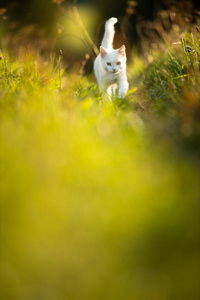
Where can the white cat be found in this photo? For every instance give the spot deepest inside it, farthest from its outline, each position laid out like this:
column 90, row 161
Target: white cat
column 110, row 64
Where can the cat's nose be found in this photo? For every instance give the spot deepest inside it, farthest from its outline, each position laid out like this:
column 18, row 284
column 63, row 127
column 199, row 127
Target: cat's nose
column 114, row 70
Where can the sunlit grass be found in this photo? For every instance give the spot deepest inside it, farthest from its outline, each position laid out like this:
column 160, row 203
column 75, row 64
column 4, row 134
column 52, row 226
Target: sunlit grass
column 99, row 199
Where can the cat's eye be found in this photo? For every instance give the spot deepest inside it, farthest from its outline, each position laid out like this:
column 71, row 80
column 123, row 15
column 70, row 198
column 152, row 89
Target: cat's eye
column 118, row 63
column 109, row 64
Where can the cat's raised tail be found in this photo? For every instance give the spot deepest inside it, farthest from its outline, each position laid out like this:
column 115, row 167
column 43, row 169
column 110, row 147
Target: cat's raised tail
column 107, row 41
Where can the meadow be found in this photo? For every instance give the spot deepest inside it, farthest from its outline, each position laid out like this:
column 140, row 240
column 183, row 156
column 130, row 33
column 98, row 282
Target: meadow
column 100, row 199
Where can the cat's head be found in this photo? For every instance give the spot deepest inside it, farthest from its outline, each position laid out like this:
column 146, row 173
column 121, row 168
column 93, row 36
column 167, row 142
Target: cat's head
column 114, row 61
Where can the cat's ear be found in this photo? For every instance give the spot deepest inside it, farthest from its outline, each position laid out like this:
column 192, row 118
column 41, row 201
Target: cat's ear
column 103, row 52
column 122, row 50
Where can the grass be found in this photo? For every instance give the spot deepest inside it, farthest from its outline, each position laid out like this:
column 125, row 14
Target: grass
column 100, row 200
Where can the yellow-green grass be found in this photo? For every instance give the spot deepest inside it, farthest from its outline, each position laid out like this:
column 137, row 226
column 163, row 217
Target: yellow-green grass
column 98, row 201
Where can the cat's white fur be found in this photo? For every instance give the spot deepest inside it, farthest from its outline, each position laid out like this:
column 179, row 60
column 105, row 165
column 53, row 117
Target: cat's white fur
column 110, row 64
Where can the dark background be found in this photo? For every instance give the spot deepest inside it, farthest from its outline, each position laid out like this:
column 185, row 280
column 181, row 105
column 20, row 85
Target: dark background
column 43, row 12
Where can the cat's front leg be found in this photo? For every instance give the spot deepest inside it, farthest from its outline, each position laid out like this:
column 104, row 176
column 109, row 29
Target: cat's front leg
column 123, row 89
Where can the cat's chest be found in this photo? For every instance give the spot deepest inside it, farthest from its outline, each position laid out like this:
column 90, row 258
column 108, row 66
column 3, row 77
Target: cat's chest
column 112, row 78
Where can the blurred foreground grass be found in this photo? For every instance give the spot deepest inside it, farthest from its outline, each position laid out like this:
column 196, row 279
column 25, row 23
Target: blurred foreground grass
column 99, row 200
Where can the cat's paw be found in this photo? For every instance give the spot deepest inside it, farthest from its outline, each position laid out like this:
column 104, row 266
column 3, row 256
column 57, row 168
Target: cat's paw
column 123, row 90
column 121, row 95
